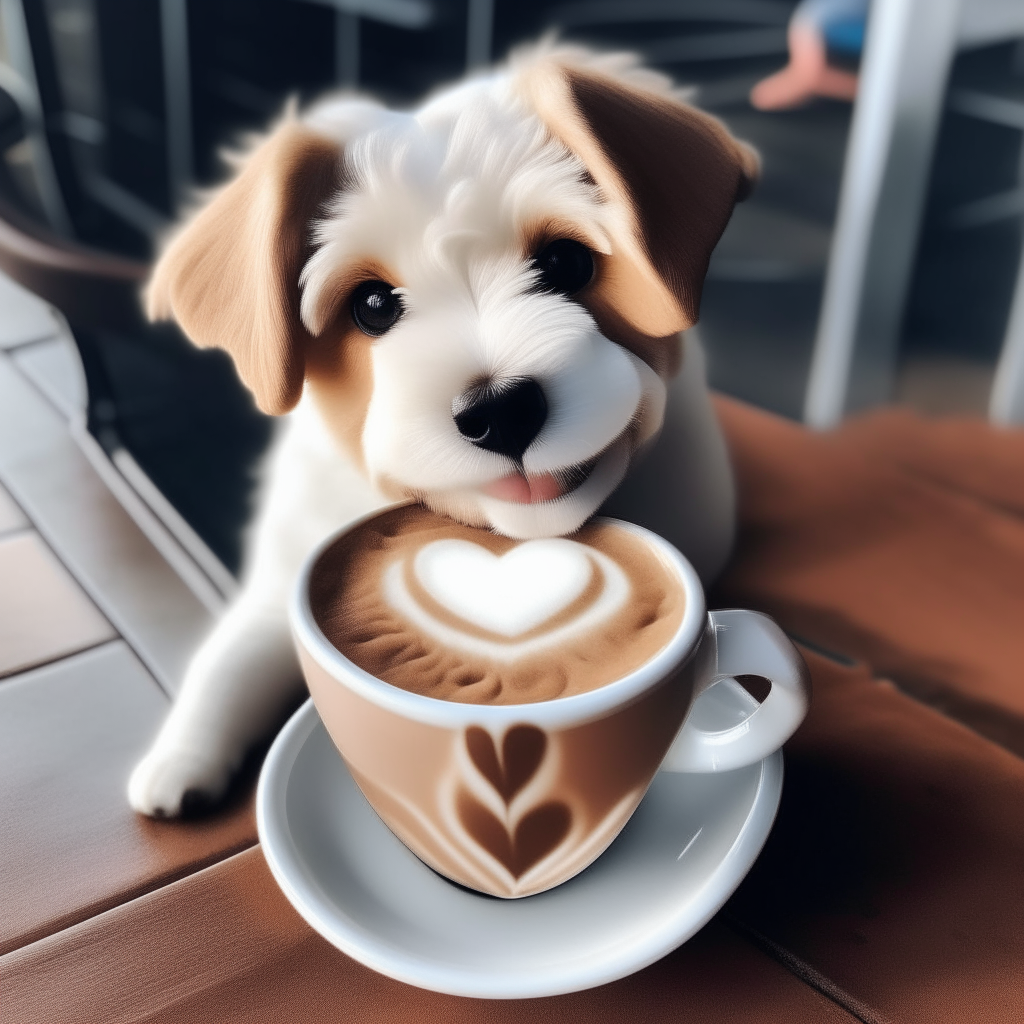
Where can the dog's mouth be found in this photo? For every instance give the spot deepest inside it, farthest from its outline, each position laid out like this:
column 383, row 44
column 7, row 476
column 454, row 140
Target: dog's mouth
column 525, row 489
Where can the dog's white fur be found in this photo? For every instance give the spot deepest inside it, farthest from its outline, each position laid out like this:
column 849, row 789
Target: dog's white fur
column 441, row 199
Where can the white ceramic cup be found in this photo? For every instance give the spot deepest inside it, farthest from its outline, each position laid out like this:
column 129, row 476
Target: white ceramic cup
column 514, row 799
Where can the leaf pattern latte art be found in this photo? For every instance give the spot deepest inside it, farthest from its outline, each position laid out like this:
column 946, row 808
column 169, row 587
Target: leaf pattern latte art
column 541, row 829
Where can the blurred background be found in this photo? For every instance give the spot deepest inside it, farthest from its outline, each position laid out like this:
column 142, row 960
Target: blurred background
column 877, row 260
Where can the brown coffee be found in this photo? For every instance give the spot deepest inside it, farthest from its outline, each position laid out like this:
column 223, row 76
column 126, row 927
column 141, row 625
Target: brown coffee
column 460, row 614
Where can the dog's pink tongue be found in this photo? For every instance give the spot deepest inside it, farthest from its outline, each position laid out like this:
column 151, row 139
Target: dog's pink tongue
column 525, row 490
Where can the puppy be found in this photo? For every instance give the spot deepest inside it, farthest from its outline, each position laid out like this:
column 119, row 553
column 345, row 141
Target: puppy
column 478, row 305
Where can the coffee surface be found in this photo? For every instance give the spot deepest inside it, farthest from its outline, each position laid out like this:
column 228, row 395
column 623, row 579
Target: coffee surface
column 461, row 614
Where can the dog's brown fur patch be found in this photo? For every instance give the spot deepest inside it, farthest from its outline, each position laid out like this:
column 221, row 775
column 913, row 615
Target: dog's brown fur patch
column 663, row 355
column 675, row 205
column 339, row 372
column 339, row 364
column 231, row 277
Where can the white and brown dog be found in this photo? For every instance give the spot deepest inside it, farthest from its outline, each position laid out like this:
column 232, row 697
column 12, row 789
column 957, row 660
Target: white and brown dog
column 480, row 305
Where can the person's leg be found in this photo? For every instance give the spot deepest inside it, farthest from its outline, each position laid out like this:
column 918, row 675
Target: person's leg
column 807, row 75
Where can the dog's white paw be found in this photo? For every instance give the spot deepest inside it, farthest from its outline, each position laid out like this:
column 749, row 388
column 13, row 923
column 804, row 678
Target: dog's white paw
column 169, row 781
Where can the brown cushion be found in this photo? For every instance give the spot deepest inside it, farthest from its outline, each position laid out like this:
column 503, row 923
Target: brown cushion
column 895, row 540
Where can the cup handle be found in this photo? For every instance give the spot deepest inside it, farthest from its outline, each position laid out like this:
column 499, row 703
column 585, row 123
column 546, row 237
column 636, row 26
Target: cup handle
column 738, row 643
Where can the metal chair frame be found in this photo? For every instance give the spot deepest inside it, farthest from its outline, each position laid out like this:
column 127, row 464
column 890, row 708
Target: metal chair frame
column 910, row 48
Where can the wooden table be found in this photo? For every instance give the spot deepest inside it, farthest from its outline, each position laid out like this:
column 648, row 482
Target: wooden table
column 892, row 887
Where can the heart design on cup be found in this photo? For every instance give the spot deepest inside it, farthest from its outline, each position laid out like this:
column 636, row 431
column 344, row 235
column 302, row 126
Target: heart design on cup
column 508, row 594
column 522, row 751
column 539, row 830
column 506, row 606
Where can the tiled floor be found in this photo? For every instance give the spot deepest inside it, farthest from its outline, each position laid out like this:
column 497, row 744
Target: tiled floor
column 11, row 517
column 95, row 627
column 44, row 615
column 24, row 320
column 45, row 471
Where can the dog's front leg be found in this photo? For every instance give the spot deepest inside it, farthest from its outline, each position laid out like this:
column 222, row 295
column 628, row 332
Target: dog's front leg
column 245, row 676
column 238, row 686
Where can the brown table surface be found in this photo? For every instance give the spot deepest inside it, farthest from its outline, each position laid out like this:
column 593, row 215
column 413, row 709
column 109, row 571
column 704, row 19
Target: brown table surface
column 891, row 888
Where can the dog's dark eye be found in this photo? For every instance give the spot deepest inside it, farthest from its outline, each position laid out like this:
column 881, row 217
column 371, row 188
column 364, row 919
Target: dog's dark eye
column 375, row 308
column 565, row 266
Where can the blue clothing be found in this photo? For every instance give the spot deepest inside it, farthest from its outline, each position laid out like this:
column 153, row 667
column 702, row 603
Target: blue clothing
column 841, row 22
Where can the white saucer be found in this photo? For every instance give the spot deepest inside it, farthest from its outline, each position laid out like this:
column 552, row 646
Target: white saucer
column 679, row 858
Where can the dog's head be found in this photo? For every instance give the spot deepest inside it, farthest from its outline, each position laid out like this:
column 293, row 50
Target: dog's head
column 483, row 298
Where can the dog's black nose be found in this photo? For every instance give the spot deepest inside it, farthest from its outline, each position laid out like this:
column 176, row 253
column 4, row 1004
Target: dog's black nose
column 504, row 417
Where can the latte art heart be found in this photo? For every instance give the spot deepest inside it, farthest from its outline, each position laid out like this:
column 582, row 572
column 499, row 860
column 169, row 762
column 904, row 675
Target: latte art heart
column 509, row 594
column 457, row 613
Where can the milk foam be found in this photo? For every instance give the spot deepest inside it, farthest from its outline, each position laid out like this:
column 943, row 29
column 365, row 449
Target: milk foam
column 509, row 594
column 459, row 613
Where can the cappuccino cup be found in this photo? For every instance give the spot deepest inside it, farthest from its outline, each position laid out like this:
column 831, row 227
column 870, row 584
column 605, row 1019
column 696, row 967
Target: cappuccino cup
column 504, row 705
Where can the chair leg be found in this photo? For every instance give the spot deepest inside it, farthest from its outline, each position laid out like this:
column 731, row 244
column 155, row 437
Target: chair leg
column 909, row 50
column 1006, row 403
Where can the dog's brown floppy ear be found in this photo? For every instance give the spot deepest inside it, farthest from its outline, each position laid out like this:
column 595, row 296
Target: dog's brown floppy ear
column 231, row 278
column 675, row 171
